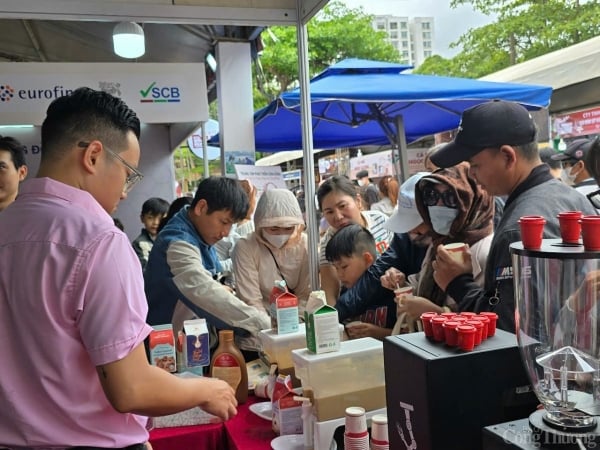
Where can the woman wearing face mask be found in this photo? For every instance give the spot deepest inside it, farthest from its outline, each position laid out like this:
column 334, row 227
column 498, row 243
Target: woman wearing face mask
column 276, row 250
column 455, row 209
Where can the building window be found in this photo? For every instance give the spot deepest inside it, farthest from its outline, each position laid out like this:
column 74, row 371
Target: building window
column 404, row 34
column 403, row 26
column 427, row 53
column 426, row 26
column 427, row 35
column 380, row 26
column 405, row 54
column 405, row 44
column 393, row 25
column 393, row 35
column 426, row 44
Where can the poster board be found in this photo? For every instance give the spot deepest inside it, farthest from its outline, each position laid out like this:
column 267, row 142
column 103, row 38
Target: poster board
column 263, row 177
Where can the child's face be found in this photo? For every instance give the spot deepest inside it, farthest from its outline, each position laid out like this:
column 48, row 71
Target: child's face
column 151, row 222
column 350, row 268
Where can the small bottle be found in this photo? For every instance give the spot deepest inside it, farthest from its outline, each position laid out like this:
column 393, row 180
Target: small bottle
column 228, row 364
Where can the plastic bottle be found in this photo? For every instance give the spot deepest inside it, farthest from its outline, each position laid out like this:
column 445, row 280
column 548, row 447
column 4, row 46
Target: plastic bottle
column 228, row 365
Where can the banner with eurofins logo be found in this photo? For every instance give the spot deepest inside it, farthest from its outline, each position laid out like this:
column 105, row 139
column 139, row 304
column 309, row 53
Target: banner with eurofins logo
column 158, row 93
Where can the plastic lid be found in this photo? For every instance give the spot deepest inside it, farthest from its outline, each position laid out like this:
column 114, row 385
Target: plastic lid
column 428, row 315
column 450, row 324
column 439, row 319
column 481, row 317
column 491, row 315
column 467, row 329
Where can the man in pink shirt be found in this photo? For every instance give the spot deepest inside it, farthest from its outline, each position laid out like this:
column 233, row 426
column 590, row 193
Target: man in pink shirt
column 72, row 304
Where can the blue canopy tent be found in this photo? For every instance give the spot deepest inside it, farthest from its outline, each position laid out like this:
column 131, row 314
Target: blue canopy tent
column 359, row 102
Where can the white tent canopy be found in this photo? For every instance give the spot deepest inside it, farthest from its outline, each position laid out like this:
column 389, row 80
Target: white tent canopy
column 281, row 157
column 573, row 73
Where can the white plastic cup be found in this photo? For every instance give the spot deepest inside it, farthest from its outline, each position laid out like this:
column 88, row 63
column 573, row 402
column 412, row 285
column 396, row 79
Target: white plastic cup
column 356, row 421
column 379, row 429
column 457, row 251
column 399, row 292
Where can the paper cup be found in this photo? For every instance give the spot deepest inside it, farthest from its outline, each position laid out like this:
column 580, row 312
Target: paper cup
column 426, row 321
column 570, row 226
column 405, row 290
column 457, row 251
column 379, row 429
column 438, row 329
column 466, row 337
column 356, row 421
column 450, row 333
column 532, row 231
column 590, row 229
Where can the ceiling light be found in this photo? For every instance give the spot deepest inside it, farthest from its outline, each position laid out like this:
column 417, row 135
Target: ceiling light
column 128, row 40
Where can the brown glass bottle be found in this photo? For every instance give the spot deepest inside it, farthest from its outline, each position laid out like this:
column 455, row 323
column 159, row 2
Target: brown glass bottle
column 228, row 365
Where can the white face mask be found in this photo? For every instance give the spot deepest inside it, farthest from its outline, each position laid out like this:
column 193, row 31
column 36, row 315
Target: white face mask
column 276, row 240
column 361, row 182
column 566, row 175
column 442, row 218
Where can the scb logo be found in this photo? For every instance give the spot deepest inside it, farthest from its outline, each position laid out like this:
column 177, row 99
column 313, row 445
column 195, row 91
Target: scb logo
column 158, row 94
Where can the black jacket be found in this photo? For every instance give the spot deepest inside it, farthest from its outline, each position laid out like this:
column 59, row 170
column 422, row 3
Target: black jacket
column 401, row 254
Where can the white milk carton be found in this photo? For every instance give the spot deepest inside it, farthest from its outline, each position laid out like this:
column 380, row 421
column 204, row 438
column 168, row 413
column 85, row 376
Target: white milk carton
column 322, row 333
column 196, row 349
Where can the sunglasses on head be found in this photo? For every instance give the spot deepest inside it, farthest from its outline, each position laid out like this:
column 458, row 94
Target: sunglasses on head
column 431, row 197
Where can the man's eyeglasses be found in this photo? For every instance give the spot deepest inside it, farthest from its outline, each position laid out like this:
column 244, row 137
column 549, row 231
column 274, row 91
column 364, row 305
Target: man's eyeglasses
column 431, row 197
column 133, row 175
column 594, row 198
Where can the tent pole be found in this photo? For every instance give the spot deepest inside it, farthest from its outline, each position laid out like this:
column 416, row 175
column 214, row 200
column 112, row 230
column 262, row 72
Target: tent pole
column 307, row 144
column 401, row 163
column 204, row 149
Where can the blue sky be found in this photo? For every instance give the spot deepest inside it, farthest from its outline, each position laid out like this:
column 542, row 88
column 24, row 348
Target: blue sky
column 449, row 23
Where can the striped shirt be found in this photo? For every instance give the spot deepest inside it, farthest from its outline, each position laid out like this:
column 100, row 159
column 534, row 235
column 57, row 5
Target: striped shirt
column 375, row 221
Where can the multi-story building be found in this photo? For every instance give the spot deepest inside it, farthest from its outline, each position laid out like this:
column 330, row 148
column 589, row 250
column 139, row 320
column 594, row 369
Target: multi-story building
column 412, row 37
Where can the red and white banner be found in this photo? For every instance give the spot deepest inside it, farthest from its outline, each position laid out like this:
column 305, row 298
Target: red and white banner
column 576, row 123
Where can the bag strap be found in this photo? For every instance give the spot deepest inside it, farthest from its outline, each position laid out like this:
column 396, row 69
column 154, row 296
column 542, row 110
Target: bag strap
column 278, row 268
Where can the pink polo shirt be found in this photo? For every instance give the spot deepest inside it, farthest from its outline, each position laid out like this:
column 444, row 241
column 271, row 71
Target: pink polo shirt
column 71, row 298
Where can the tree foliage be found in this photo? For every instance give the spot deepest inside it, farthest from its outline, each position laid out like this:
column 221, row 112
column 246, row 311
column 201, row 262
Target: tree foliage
column 524, row 29
column 337, row 32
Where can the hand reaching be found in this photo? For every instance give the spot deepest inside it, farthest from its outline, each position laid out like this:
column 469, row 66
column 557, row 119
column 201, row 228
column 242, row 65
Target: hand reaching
column 446, row 268
column 393, row 278
column 220, row 399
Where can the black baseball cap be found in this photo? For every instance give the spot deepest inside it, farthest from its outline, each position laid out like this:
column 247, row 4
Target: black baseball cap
column 362, row 173
column 490, row 124
column 576, row 150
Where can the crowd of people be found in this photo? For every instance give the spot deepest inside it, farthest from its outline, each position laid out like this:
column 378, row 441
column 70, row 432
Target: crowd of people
column 92, row 295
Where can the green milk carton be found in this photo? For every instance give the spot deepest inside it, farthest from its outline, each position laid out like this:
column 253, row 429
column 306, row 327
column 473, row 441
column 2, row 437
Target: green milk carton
column 322, row 325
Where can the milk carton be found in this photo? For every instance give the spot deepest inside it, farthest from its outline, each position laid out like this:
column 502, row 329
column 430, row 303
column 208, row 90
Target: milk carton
column 287, row 412
column 322, row 333
column 162, row 347
column 196, row 349
column 283, row 309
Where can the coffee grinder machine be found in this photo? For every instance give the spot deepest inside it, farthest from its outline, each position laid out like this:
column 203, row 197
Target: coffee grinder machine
column 558, row 332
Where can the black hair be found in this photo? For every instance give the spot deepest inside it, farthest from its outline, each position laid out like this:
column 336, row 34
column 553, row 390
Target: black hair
column 174, row 208
column 348, row 241
column 155, row 206
column 223, row 194
column 15, row 148
column 336, row 183
column 118, row 223
column 85, row 115
column 546, row 157
column 592, row 160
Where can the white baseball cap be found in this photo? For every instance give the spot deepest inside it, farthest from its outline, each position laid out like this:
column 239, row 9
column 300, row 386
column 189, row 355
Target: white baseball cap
column 406, row 217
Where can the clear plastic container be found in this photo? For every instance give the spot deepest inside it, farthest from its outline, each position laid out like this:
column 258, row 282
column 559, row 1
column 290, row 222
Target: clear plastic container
column 357, row 366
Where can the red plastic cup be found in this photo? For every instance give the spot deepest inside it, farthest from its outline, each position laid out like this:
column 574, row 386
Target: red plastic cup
column 426, row 321
column 468, row 314
column 486, row 322
column 466, row 337
column 479, row 327
column 590, row 230
column 492, row 325
column 460, row 318
column 438, row 330
column 570, row 226
column 532, row 231
column 450, row 332
column 448, row 315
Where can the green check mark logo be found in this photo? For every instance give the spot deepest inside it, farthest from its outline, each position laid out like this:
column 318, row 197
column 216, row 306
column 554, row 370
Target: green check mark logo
column 145, row 93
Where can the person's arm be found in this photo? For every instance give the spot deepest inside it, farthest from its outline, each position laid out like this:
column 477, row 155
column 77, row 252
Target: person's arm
column 329, row 283
column 197, row 285
column 131, row 385
column 245, row 270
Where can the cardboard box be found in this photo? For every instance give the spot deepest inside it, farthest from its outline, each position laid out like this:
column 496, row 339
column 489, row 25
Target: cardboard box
column 283, row 311
column 196, row 349
column 440, row 398
column 287, row 412
column 162, row 347
column 322, row 334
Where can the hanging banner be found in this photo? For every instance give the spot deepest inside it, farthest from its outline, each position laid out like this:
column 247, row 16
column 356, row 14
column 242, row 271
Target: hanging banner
column 377, row 164
column 263, row 177
column 158, row 93
column 576, row 123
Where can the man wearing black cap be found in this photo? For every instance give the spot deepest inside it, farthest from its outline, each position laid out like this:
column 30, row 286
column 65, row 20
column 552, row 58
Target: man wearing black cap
column 368, row 191
column 573, row 169
column 498, row 139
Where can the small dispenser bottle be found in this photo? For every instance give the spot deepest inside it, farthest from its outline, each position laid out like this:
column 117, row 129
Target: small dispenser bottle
column 228, row 365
